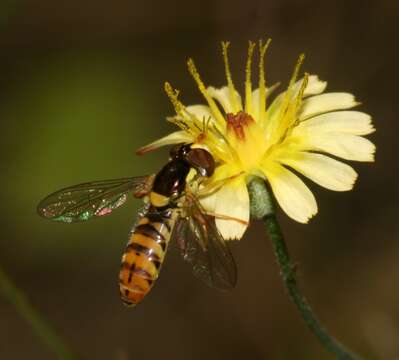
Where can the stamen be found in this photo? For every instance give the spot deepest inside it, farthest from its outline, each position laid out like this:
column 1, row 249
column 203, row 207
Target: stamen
column 173, row 96
column 288, row 93
column 221, row 143
column 288, row 107
column 262, row 81
column 232, row 90
column 248, row 85
column 301, row 91
column 298, row 101
column 296, row 71
column 178, row 122
column 188, row 121
column 212, row 104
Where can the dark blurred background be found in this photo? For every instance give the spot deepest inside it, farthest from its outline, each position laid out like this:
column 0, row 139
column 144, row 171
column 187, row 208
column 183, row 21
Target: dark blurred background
column 81, row 87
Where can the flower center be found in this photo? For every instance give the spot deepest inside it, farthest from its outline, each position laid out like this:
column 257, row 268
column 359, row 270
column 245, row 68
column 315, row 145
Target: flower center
column 238, row 122
column 246, row 137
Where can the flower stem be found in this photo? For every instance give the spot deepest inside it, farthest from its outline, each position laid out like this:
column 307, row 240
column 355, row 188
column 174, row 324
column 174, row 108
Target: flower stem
column 262, row 207
column 290, row 282
column 39, row 325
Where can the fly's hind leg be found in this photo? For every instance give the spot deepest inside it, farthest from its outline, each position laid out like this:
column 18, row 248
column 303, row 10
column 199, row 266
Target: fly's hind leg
column 227, row 217
column 211, row 189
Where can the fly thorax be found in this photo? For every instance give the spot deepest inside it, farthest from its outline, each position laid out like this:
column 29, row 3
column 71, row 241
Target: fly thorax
column 171, row 180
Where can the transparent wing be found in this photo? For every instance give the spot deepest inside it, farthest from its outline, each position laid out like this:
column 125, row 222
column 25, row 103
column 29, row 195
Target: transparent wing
column 203, row 247
column 89, row 200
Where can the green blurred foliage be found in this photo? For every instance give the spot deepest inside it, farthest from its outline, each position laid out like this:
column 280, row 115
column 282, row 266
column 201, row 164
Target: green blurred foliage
column 77, row 117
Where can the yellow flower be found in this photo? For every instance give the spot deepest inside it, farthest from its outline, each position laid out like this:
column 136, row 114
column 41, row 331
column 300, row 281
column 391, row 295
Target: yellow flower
column 294, row 132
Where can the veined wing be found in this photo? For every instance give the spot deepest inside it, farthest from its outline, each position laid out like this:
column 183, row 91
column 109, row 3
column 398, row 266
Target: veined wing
column 203, row 247
column 89, row 200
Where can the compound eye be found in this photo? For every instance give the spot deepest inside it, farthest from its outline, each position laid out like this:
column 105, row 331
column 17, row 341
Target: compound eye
column 179, row 151
column 175, row 150
column 202, row 161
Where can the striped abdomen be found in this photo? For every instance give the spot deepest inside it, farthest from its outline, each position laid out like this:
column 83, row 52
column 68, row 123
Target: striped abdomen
column 144, row 254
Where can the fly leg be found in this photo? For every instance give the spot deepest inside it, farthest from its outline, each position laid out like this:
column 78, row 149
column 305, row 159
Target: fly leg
column 208, row 190
column 227, row 217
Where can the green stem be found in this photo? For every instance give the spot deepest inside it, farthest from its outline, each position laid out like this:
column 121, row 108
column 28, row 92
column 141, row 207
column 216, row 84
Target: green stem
column 262, row 207
column 39, row 325
column 288, row 275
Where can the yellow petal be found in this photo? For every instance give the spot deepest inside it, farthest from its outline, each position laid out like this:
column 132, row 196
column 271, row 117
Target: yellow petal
column 255, row 104
column 232, row 200
column 221, row 173
column 176, row 137
column 320, row 104
column 346, row 146
column 315, row 86
column 351, row 122
column 293, row 196
column 201, row 112
column 222, row 95
column 274, row 112
column 321, row 169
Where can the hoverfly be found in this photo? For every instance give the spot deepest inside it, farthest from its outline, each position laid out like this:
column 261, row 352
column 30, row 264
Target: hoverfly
column 172, row 211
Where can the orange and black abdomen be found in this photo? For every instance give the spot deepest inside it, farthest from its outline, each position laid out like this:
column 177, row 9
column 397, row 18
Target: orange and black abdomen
column 144, row 254
column 148, row 241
